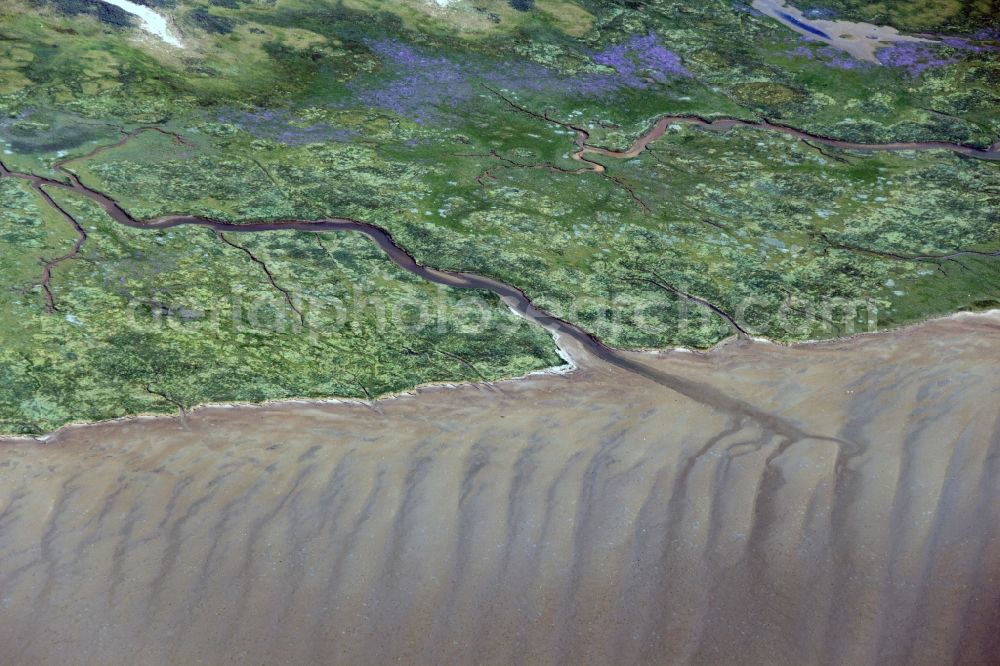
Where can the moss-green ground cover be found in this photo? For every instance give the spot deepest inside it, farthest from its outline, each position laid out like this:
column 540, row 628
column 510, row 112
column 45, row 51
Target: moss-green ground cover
column 153, row 320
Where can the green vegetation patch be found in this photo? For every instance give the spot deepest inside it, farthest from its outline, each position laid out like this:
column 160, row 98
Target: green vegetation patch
column 149, row 321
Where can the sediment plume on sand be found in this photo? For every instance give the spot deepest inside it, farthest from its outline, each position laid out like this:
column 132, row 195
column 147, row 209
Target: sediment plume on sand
column 835, row 503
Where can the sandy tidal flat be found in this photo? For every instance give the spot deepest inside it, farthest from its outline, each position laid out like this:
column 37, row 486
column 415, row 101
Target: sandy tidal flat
column 848, row 512
column 861, row 40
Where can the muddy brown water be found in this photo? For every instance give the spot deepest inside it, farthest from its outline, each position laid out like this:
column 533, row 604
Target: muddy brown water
column 848, row 512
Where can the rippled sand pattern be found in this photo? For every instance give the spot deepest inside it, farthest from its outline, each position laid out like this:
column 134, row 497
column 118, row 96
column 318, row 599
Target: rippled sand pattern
column 596, row 518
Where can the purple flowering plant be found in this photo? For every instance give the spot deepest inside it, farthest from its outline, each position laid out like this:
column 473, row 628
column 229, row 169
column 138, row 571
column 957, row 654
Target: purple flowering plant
column 424, row 87
column 640, row 59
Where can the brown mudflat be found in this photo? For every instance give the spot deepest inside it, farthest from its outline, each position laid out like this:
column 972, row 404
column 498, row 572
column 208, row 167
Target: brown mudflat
column 836, row 503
